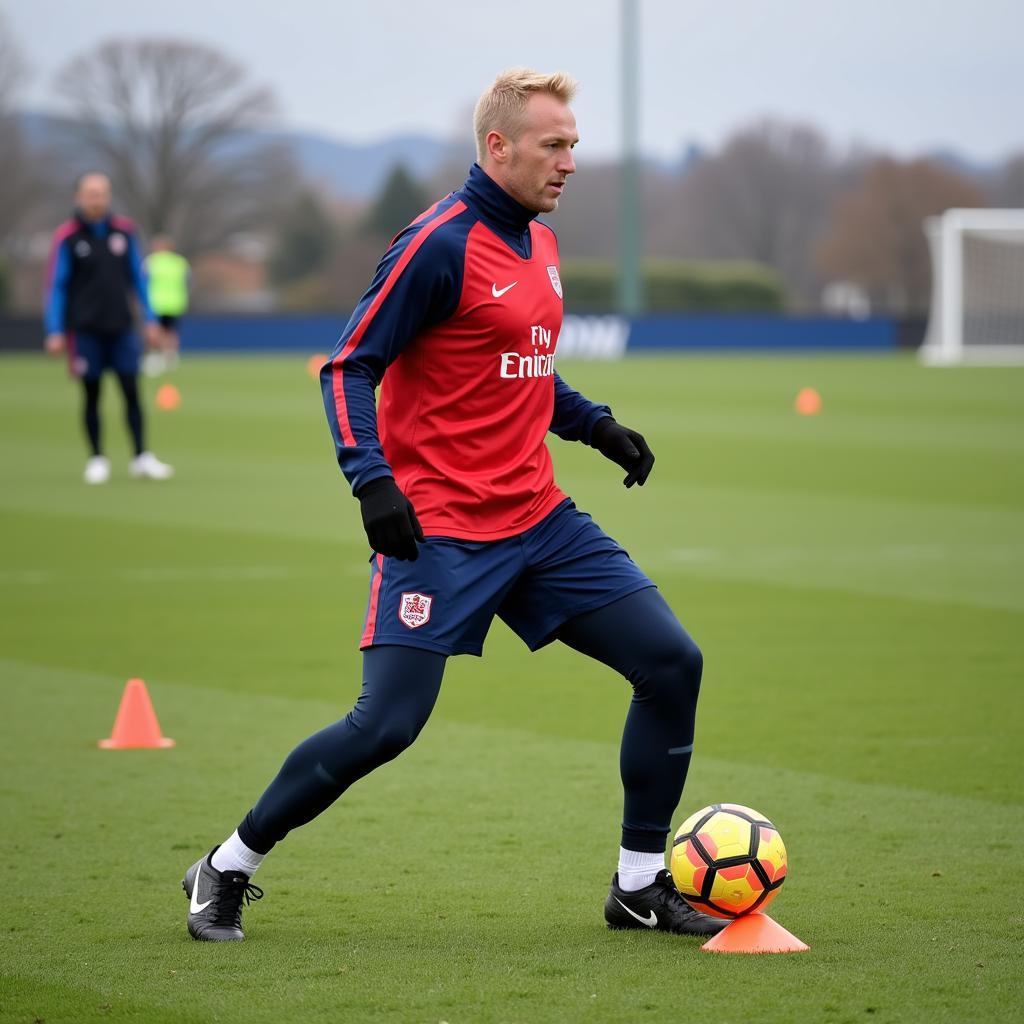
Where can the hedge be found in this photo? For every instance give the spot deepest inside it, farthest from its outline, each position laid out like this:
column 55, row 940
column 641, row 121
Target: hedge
column 673, row 286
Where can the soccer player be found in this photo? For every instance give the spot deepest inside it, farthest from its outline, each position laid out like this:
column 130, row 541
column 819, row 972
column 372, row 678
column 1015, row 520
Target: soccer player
column 94, row 271
column 458, row 500
column 167, row 277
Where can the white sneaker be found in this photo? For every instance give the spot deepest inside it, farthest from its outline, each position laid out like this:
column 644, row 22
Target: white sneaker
column 147, row 466
column 97, row 470
column 154, row 364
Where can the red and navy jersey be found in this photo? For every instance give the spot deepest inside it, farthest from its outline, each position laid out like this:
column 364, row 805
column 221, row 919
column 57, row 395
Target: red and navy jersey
column 459, row 327
column 94, row 268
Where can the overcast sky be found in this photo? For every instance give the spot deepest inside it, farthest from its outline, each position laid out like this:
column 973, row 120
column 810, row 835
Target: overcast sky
column 907, row 75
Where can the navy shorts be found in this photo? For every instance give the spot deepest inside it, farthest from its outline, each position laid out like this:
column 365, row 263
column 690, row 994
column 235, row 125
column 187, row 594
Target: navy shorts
column 445, row 601
column 91, row 354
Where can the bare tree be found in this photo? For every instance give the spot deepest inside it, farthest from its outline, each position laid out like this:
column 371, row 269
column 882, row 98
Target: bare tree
column 587, row 218
column 174, row 123
column 1008, row 189
column 765, row 197
column 876, row 238
column 16, row 179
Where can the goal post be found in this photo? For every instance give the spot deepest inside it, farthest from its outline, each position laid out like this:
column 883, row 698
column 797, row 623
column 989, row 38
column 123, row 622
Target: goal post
column 977, row 305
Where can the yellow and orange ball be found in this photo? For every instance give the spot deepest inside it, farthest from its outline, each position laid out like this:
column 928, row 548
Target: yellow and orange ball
column 728, row 860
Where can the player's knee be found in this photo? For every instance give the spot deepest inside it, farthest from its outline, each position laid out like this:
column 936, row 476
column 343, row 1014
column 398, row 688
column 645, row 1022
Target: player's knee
column 676, row 672
column 393, row 736
column 691, row 662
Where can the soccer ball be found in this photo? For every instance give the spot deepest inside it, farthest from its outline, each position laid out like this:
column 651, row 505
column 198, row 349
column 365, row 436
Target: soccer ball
column 728, row 860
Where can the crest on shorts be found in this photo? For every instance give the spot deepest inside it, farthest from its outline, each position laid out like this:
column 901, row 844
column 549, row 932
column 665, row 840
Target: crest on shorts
column 414, row 609
column 556, row 281
column 117, row 243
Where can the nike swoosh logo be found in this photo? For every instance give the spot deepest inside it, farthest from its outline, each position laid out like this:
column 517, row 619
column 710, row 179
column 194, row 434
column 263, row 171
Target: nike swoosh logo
column 651, row 921
column 498, row 292
column 195, row 907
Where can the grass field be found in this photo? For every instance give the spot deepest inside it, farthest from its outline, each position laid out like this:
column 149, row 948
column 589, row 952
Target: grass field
column 855, row 579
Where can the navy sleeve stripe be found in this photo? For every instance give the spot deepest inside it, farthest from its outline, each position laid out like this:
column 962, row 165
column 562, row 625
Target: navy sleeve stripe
column 56, row 278
column 337, row 371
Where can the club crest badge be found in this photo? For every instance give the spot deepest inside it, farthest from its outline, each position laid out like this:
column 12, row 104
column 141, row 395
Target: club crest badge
column 556, row 281
column 414, row 610
column 117, row 243
column 82, row 248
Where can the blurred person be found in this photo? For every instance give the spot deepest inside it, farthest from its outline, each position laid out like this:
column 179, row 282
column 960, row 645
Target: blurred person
column 459, row 504
column 167, row 281
column 94, row 271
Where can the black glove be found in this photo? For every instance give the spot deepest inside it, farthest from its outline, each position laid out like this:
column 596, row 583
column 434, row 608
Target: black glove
column 625, row 447
column 390, row 520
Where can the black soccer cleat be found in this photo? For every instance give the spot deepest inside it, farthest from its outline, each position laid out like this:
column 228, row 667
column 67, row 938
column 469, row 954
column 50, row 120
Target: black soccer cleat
column 215, row 901
column 659, row 907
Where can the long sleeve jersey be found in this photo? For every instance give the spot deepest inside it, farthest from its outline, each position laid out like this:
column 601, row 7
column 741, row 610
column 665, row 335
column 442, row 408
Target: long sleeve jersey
column 459, row 328
column 94, row 268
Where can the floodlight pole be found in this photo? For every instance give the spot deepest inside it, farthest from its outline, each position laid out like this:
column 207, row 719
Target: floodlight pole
column 630, row 283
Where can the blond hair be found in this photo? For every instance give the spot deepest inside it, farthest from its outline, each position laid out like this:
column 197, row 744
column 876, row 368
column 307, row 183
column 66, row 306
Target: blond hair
column 500, row 108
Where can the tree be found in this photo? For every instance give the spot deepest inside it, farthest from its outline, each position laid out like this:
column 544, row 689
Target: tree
column 305, row 240
column 587, row 218
column 1009, row 186
column 173, row 123
column 764, row 197
column 16, row 178
column 400, row 202
column 877, row 239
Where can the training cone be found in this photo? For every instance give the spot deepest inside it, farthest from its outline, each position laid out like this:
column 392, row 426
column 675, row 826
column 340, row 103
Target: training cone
column 808, row 402
column 314, row 363
column 168, row 398
column 754, row 933
column 136, row 727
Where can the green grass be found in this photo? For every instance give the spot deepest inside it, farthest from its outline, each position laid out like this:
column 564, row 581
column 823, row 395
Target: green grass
column 855, row 582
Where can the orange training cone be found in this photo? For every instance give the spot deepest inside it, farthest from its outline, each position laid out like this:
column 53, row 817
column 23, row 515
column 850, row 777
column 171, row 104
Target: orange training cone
column 808, row 402
column 754, row 933
column 168, row 398
column 136, row 726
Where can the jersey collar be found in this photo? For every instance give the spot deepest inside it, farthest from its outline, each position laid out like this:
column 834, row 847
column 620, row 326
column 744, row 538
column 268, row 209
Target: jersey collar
column 99, row 227
column 496, row 206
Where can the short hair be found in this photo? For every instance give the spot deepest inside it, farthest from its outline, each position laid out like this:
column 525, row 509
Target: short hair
column 90, row 174
column 500, row 108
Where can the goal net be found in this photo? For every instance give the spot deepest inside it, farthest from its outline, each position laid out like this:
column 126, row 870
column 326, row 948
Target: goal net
column 977, row 308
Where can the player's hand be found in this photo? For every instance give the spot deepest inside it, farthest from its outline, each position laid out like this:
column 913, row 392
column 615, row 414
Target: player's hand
column 624, row 447
column 154, row 335
column 390, row 520
column 55, row 343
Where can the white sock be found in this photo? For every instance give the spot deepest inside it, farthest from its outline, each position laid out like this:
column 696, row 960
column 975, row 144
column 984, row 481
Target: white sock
column 234, row 855
column 637, row 869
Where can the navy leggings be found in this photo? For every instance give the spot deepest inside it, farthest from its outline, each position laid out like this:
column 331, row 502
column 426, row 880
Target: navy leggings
column 132, row 411
column 637, row 636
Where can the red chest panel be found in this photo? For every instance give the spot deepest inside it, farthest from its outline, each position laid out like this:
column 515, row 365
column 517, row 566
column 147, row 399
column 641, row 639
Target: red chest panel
column 465, row 409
